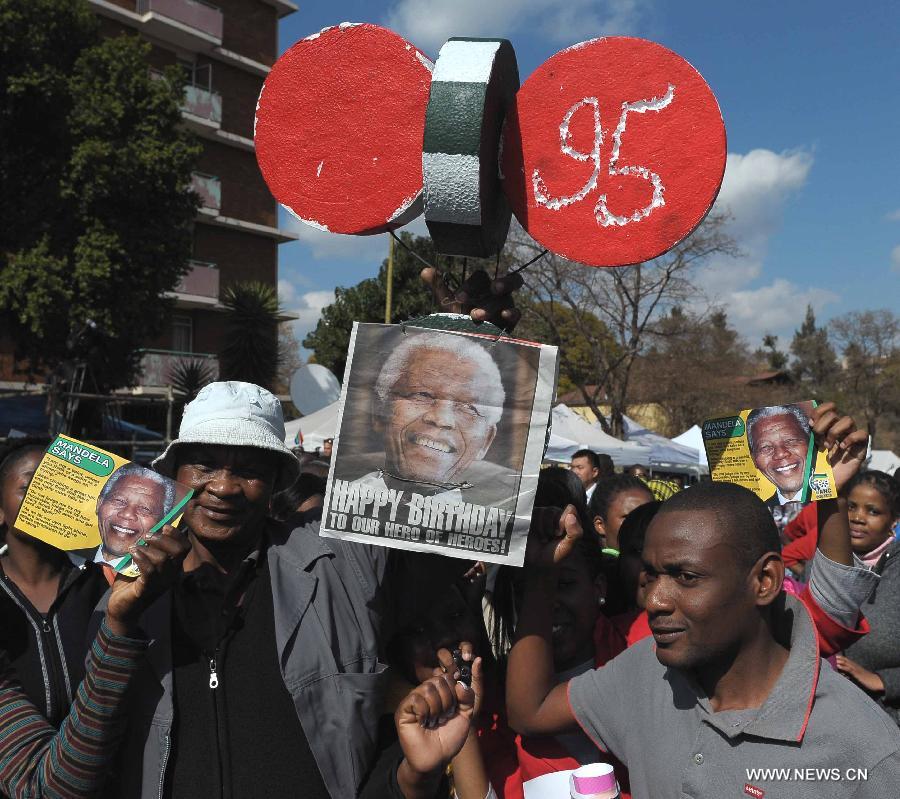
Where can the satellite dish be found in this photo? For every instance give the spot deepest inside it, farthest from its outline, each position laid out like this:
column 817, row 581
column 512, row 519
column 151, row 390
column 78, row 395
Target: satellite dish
column 313, row 387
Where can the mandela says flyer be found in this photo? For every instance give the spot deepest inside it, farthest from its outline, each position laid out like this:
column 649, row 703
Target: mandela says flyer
column 81, row 497
column 772, row 452
column 440, row 441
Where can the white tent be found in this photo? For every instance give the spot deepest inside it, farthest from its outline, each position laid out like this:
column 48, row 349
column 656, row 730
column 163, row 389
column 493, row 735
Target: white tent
column 884, row 461
column 693, row 438
column 315, row 428
column 663, row 451
column 569, row 425
column 559, row 449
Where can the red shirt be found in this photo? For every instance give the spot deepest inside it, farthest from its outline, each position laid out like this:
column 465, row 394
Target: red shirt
column 805, row 522
column 802, row 535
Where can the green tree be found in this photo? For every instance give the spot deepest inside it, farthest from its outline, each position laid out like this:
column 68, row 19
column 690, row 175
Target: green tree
column 250, row 351
column 815, row 363
column 693, row 369
column 96, row 212
column 576, row 339
column 365, row 302
column 773, row 357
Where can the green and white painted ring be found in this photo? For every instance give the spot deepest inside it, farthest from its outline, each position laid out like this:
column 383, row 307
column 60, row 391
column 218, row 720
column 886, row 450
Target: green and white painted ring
column 473, row 85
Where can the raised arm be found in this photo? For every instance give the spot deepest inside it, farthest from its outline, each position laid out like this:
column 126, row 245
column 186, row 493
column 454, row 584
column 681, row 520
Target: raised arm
column 535, row 704
column 435, row 726
column 838, row 583
column 846, row 448
column 37, row 761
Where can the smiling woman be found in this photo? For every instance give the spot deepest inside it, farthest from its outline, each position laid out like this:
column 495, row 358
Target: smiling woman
column 873, row 662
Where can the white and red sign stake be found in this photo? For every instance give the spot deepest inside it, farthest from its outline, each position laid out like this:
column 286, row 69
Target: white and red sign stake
column 614, row 152
column 339, row 128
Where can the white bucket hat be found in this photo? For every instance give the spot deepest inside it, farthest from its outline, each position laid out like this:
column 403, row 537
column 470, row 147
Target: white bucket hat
column 234, row 414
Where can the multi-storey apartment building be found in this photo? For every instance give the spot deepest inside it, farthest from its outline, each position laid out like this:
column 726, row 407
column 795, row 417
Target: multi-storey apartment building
column 225, row 52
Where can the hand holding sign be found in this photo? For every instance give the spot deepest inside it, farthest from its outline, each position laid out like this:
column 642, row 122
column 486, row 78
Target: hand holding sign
column 485, row 300
column 159, row 560
column 845, row 445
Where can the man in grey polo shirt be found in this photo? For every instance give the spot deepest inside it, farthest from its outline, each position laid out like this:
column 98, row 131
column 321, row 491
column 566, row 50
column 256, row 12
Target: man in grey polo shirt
column 729, row 698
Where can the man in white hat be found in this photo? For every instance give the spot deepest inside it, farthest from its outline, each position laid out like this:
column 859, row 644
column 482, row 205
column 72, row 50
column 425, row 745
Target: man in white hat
column 262, row 673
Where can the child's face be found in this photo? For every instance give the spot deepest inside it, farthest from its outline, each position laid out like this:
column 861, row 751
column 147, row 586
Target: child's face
column 621, row 505
column 870, row 518
column 575, row 613
column 444, row 621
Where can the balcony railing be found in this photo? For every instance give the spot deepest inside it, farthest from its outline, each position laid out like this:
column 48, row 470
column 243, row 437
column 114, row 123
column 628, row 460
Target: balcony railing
column 157, row 365
column 201, row 281
column 195, row 14
column 202, row 103
column 209, row 187
column 198, row 101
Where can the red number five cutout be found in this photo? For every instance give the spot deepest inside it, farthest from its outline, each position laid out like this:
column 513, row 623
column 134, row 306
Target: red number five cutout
column 658, row 185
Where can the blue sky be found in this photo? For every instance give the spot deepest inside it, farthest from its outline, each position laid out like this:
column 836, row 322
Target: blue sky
column 808, row 91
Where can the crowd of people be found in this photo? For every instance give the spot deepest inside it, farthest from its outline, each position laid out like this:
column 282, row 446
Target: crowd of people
column 675, row 633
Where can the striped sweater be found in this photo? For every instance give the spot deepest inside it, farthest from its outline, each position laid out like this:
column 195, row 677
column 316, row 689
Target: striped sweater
column 36, row 760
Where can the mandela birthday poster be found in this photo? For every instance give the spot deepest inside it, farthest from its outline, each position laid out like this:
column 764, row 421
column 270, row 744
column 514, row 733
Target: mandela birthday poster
column 440, row 441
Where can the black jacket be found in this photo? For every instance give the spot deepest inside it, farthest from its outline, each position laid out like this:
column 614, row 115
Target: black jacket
column 48, row 652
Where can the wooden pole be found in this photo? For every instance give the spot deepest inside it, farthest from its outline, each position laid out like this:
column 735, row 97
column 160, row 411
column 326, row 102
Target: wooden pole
column 389, row 295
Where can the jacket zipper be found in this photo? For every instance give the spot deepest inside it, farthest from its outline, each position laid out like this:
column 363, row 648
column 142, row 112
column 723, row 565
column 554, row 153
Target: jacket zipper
column 212, row 659
column 213, row 676
column 50, row 666
column 62, row 659
column 162, row 770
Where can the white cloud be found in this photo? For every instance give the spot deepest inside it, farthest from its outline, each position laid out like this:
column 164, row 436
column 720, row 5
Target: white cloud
column 895, row 259
column 429, row 23
column 757, row 187
column 777, row 308
column 757, row 184
column 894, row 216
column 306, row 306
column 335, row 246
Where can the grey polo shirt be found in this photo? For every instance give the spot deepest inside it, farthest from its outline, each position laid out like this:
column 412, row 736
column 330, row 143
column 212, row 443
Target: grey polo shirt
column 660, row 724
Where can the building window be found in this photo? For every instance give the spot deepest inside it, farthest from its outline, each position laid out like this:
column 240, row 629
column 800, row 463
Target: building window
column 182, row 333
column 199, row 75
